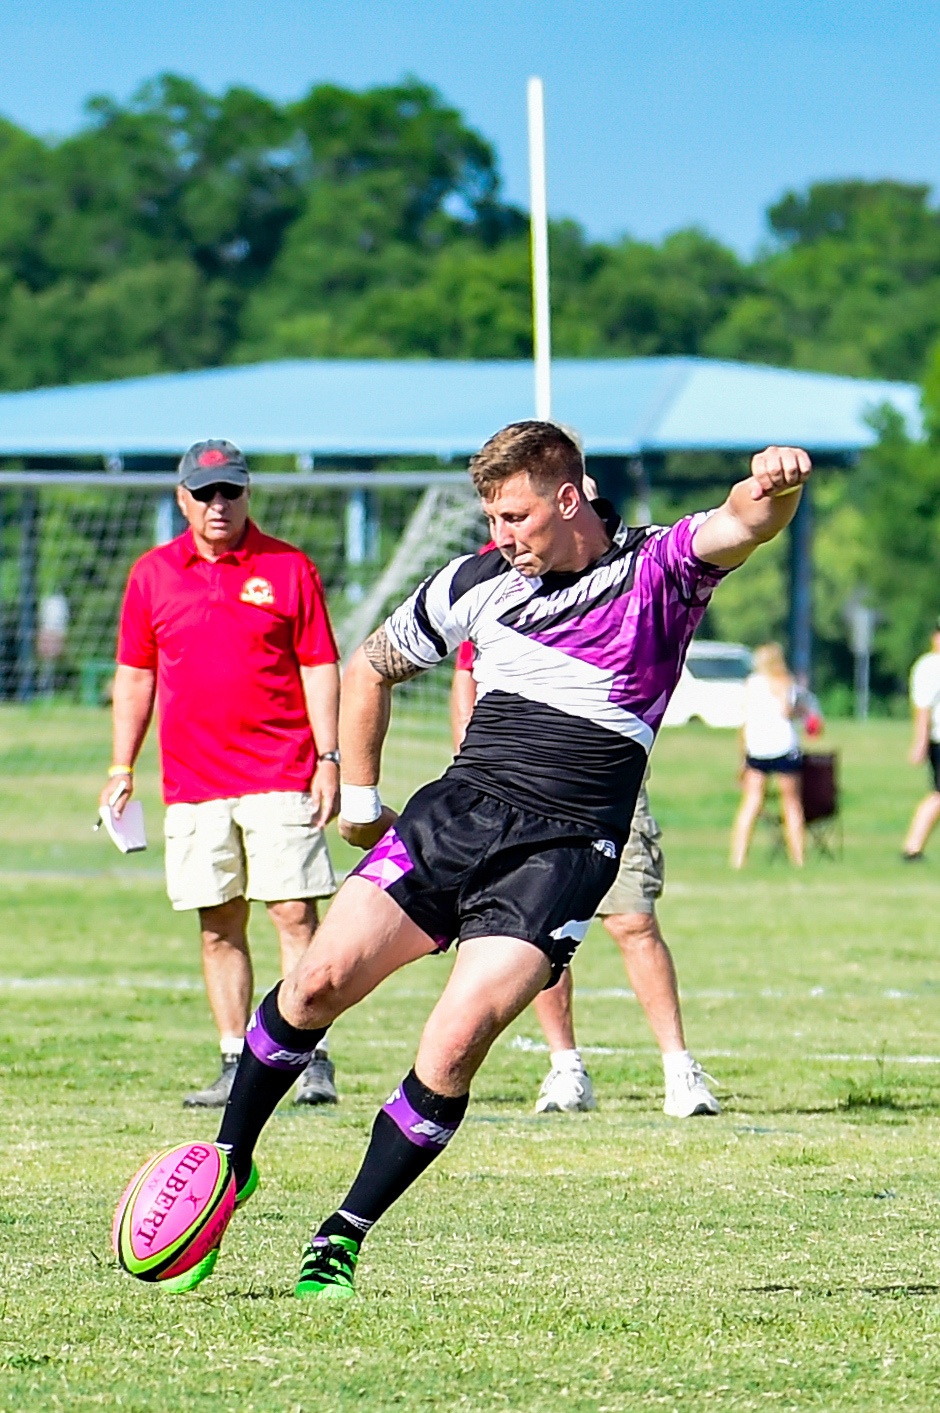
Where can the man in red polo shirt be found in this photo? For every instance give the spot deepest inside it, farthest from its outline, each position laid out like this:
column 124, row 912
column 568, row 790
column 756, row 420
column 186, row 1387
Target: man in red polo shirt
column 227, row 630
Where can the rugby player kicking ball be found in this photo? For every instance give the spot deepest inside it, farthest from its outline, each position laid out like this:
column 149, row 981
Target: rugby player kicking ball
column 580, row 627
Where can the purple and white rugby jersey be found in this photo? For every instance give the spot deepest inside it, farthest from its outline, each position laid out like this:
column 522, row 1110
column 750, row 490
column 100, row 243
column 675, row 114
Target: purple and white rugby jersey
column 573, row 671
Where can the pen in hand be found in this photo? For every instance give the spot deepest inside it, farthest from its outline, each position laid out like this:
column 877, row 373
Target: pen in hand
column 119, row 791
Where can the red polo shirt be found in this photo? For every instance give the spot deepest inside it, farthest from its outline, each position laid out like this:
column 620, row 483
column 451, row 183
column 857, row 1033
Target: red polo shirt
column 227, row 641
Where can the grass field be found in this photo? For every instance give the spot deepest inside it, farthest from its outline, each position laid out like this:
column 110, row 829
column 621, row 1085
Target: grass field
column 783, row 1256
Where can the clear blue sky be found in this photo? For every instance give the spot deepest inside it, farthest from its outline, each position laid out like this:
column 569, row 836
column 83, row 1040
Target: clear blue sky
column 661, row 113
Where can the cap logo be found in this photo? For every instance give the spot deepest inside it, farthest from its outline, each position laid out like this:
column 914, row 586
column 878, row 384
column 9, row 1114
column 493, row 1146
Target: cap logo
column 257, row 591
column 213, row 457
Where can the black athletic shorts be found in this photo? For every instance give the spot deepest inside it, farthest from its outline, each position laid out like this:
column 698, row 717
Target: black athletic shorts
column 464, row 864
column 776, row 765
column 933, row 759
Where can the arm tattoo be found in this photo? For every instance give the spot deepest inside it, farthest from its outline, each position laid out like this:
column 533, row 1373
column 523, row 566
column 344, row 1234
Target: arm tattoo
column 388, row 661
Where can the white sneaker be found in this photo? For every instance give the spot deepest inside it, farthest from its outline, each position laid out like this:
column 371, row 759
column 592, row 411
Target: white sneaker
column 687, row 1094
column 566, row 1092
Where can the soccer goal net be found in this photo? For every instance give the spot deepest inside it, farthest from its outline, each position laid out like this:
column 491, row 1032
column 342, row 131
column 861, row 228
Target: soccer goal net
column 68, row 540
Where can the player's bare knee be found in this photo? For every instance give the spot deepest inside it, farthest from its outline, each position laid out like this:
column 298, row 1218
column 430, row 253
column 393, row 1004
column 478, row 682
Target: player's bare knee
column 293, row 913
column 454, row 1046
column 449, row 1071
column 224, row 925
column 634, row 932
column 330, row 977
column 314, row 985
column 216, row 949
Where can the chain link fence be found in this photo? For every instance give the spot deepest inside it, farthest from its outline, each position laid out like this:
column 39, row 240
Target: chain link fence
column 68, row 540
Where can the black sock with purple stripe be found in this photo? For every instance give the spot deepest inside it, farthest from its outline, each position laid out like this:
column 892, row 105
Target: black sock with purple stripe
column 275, row 1054
column 413, row 1127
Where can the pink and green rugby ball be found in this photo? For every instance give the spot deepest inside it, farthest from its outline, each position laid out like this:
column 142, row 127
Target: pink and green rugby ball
column 174, row 1211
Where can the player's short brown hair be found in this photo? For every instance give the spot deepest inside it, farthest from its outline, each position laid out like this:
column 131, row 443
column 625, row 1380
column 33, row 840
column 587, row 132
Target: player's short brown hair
column 545, row 451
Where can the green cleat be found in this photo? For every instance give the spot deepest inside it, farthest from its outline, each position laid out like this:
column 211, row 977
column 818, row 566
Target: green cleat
column 179, row 1285
column 251, row 1186
column 327, row 1269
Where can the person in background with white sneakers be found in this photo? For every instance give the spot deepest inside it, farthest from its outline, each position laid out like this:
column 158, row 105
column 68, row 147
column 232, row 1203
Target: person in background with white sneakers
column 629, row 914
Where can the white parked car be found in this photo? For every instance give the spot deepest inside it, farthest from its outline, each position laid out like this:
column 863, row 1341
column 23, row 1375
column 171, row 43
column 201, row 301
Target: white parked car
column 712, row 685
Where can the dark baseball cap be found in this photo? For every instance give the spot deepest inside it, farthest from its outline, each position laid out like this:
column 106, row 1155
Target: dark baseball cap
column 209, row 462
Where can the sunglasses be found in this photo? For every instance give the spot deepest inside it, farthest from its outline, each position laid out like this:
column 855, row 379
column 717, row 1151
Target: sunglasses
column 207, row 494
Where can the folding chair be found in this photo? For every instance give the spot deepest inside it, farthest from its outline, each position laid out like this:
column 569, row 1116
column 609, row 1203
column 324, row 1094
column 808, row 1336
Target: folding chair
column 819, row 787
column 819, row 791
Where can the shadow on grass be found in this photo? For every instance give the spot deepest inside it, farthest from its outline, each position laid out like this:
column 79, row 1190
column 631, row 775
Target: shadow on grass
column 806, row 1110
column 495, row 1100
column 877, row 1097
column 859, row 1103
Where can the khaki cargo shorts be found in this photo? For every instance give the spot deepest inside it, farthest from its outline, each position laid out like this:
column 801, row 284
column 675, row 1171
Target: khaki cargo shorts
column 642, row 867
column 250, row 846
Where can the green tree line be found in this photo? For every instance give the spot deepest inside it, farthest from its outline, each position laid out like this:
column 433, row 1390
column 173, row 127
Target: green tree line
column 184, row 229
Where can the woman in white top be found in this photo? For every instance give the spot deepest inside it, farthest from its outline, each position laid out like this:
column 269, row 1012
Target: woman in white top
column 925, row 748
column 772, row 702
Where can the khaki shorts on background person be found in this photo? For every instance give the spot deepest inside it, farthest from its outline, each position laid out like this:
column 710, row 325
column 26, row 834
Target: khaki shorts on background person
column 262, row 847
column 642, row 867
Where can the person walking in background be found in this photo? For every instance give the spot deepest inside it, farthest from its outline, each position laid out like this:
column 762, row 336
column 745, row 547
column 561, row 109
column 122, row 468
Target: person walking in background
column 925, row 747
column 772, row 703
column 227, row 630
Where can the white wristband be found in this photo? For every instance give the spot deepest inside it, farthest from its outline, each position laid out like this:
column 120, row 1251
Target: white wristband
column 359, row 804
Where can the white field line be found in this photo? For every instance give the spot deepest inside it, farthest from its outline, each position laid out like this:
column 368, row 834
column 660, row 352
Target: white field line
column 594, row 993
column 769, row 993
column 532, row 1047
column 808, row 889
column 100, row 983
column 887, row 889
column 881, row 1059
column 522, row 1042
column 815, row 889
column 118, row 984
column 79, row 875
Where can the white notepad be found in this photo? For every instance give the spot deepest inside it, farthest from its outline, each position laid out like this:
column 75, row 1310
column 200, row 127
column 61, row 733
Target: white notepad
column 126, row 832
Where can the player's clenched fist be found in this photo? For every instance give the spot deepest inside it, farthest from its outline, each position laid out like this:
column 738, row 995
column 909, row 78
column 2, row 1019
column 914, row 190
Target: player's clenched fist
column 364, row 836
column 778, row 471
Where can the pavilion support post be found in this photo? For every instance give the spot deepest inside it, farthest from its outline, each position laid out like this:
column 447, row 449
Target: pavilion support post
column 168, row 520
column 642, row 491
column 801, row 589
column 28, row 586
column 357, row 542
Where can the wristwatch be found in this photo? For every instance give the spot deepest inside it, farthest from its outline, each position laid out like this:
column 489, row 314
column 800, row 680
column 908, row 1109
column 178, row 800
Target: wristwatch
column 330, row 756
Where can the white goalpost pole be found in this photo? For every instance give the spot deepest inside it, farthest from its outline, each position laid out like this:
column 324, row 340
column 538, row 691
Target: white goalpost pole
column 538, row 204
